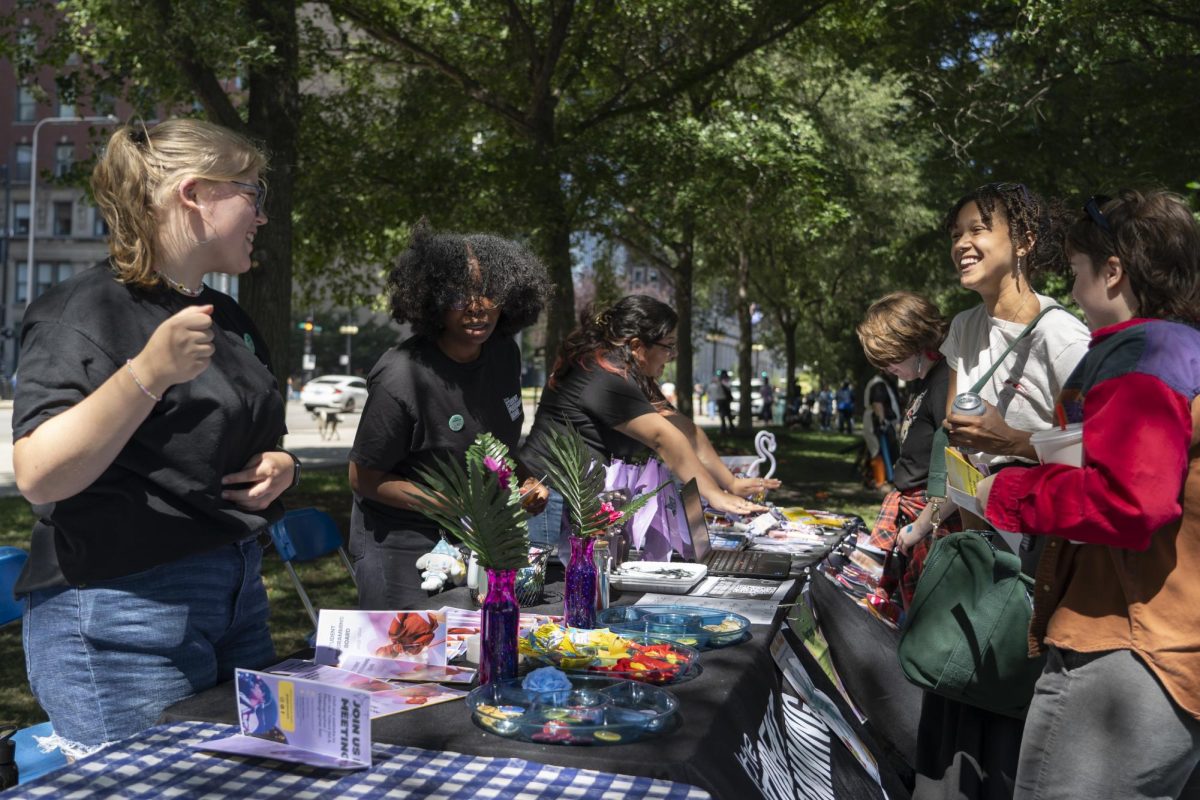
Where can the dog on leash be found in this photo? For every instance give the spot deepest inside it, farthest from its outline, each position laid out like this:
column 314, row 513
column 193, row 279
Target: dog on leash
column 327, row 423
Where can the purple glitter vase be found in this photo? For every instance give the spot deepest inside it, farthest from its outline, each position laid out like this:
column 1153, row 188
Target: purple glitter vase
column 579, row 598
column 500, row 615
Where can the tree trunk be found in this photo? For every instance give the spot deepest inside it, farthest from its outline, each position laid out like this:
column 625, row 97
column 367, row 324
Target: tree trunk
column 745, row 340
column 684, row 275
column 553, row 243
column 274, row 105
column 789, row 348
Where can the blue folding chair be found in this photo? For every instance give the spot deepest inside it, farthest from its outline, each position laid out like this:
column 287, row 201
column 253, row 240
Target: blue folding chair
column 31, row 761
column 307, row 534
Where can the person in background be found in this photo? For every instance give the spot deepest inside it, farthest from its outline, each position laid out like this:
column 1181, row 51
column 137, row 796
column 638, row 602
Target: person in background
column 724, row 396
column 881, row 416
column 901, row 334
column 714, row 388
column 845, row 408
column 768, row 399
column 825, row 408
column 1117, row 589
column 459, row 375
column 1003, row 240
column 146, row 431
column 605, row 385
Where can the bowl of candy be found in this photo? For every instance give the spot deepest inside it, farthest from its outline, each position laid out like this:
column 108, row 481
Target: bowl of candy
column 634, row 656
column 693, row 626
column 571, row 709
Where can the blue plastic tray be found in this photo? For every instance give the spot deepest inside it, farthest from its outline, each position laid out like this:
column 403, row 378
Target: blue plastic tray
column 595, row 711
column 688, row 625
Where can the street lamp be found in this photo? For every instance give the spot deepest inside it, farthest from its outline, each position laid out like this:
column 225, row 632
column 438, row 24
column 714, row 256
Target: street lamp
column 348, row 331
column 109, row 118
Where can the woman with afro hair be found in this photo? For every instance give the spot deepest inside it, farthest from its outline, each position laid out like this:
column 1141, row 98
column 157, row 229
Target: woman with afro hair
column 458, row 375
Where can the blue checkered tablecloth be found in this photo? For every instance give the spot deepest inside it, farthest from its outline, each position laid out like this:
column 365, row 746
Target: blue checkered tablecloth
column 162, row 763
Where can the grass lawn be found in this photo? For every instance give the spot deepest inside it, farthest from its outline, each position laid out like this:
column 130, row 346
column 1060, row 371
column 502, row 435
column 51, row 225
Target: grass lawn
column 816, row 468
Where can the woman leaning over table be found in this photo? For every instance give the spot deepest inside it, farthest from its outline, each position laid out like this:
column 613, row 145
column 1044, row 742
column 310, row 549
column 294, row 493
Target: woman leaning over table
column 605, row 384
column 1116, row 711
column 459, row 375
column 1003, row 238
column 145, row 426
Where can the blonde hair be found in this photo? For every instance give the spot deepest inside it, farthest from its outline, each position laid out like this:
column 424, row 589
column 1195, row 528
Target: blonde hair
column 142, row 168
column 900, row 325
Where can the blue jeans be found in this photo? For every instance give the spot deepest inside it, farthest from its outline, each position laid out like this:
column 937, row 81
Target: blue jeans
column 105, row 660
column 549, row 528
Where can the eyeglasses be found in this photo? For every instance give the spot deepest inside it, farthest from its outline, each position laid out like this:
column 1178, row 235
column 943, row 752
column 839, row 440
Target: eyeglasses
column 1092, row 207
column 463, row 302
column 260, row 194
column 672, row 349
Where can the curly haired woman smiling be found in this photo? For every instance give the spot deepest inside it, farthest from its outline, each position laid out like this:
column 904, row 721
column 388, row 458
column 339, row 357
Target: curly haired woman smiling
column 458, row 376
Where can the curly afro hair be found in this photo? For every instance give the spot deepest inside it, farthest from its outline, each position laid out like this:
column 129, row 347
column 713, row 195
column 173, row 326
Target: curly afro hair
column 1029, row 218
column 436, row 270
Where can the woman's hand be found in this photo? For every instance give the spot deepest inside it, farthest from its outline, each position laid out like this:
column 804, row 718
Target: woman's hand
column 747, row 487
column 987, row 433
column 534, row 496
column 179, row 349
column 724, row 501
column 270, row 475
column 909, row 535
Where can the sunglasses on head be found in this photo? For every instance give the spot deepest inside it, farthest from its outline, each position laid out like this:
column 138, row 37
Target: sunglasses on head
column 1092, row 207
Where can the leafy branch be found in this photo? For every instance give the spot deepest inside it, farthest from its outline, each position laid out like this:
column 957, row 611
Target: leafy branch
column 479, row 504
column 579, row 478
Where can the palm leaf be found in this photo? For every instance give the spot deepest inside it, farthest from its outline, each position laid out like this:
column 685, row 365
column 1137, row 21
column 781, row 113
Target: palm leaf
column 470, row 504
column 579, row 478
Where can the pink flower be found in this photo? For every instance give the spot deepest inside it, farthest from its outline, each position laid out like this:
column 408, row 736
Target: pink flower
column 501, row 470
column 607, row 510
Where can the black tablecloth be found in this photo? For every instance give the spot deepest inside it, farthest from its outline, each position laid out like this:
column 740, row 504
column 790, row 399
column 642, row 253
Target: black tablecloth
column 864, row 654
column 729, row 697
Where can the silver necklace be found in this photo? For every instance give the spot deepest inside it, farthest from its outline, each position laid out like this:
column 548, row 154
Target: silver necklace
column 182, row 288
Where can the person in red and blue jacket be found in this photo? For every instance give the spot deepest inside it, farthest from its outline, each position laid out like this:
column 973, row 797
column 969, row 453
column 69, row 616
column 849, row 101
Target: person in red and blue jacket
column 1117, row 588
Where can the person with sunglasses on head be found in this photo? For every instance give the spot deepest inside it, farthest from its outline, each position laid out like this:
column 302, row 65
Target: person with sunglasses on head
column 1003, row 239
column 1116, row 590
column 457, row 376
column 146, row 428
column 605, row 385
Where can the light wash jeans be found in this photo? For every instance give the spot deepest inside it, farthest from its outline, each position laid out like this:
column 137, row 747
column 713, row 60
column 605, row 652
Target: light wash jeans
column 105, row 660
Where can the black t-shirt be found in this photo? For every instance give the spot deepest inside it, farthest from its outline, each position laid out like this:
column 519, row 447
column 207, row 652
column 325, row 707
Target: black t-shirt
column 593, row 400
column 160, row 500
column 423, row 404
column 882, row 393
column 923, row 416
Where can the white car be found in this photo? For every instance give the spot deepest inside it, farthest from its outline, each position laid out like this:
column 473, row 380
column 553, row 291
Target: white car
column 343, row 392
column 756, row 398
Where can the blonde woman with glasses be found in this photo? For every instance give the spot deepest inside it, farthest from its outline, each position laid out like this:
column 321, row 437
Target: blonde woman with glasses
column 146, row 425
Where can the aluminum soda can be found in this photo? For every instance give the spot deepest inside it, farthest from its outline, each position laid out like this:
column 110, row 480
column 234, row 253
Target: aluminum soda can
column 969, row 404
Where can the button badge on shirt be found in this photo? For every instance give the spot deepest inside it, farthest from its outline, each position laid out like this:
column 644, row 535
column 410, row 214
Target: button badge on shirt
column 456, row 422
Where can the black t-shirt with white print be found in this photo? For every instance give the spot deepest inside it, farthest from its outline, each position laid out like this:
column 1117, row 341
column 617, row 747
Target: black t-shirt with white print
column 160, row 499
column 923, row 416
column 423, row 404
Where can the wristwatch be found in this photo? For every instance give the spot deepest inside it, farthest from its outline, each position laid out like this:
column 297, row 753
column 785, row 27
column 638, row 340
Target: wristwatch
column 295, row 468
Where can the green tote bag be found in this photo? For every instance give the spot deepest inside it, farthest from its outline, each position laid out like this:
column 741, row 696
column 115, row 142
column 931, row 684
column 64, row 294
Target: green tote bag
column 966, row 636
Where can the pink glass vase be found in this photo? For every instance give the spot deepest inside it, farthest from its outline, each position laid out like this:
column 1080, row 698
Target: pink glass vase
column 579, row 597
column 500, row 616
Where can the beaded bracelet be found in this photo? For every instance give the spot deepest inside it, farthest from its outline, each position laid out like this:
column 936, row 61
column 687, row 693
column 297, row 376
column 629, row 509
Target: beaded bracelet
column 140, row 385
